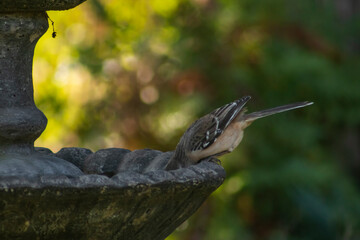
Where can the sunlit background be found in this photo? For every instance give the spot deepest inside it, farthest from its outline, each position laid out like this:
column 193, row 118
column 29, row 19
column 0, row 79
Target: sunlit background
column 135, row 74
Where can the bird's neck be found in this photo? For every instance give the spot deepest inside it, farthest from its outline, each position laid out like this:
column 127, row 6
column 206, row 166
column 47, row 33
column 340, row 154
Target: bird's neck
column 179, row 159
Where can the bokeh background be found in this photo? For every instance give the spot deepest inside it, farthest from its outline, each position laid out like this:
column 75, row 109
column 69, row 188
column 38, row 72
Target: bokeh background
column 135, row 74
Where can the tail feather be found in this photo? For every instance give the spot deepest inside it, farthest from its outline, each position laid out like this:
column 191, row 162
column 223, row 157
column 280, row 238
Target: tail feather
column 264, row 113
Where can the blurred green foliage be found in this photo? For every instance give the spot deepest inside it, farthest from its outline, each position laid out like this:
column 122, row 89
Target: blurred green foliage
column 135, row 74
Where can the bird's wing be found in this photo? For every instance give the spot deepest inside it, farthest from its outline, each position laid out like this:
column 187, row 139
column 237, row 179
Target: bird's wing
column 208, row 128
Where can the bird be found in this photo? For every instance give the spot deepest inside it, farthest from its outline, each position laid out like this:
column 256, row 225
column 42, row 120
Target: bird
column 219, row 132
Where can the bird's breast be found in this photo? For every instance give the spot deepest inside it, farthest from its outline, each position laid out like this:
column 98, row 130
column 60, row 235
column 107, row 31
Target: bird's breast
column 231, row 137
column 226, row 142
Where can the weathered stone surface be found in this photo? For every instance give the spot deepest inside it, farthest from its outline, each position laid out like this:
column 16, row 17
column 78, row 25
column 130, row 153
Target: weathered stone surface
column 75, row 155
column 104, row 161
column 20, row 121
column 35, row 164
column 128, row 206
column 44, row 151
column 138, row 160
column 37, row 5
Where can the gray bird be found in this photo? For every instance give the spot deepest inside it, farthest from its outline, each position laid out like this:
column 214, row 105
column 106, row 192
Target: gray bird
column 219, row 132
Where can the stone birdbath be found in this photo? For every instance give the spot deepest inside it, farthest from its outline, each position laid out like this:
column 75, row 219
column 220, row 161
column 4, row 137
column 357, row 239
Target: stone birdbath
column 75, row 193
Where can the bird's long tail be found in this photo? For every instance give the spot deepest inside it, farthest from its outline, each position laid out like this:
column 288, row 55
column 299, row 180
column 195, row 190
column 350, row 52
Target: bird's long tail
column 264, row 113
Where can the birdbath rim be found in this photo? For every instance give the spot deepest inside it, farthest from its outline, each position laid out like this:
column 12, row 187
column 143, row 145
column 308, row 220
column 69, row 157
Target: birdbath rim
column 204, row 173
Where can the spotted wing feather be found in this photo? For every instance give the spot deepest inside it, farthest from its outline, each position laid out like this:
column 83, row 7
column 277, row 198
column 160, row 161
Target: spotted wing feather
column 216, row 122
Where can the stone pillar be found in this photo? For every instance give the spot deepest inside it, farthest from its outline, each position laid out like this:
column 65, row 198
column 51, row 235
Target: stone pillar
column 22, row 23
column 21, row 123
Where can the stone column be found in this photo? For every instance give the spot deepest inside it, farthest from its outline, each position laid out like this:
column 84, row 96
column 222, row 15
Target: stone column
column 22, row 23
column 21, row 123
